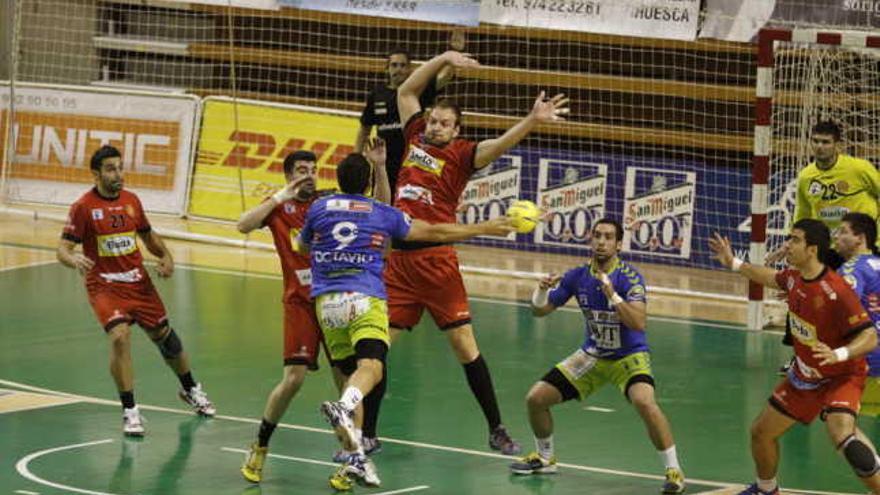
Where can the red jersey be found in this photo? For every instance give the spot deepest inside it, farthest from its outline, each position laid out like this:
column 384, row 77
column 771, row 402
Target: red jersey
column 826, row 310
column 107, row 229
column 432, row 179
column 285, row 222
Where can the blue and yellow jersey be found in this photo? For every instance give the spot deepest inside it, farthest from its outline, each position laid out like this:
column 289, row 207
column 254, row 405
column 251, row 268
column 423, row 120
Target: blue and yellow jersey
column 606, row 336
column 862, row 273
column 852, row 184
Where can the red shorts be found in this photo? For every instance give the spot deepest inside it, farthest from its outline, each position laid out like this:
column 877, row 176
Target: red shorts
column 128, row 303
column 302, row 335
column 426, row 278
column 840, row 394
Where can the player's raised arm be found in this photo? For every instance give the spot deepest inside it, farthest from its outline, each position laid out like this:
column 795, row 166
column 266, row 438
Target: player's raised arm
column 408, row 92
column 375, row 152
column 253, row 218
column 544, row 110
column 541, row 305
column 722, row 252
column 451, row 232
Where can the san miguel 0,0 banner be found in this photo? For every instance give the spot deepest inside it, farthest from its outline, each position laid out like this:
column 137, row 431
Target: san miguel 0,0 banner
column 241, row 151
column 491, row 191
column 658, row 212
column 573, row 192
column 56, row 129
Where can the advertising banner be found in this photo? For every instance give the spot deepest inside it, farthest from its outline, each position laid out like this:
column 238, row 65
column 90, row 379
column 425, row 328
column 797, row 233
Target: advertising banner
column 461, row 12
column 242, row 147
column 56, row 129
column 573, row 193
column 491, row 191
column 673, row 19
column 658, row 211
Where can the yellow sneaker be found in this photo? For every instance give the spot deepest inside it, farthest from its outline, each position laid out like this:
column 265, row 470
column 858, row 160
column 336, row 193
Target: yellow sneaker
column 340, row 480
column 674, row 483
column 252, row 469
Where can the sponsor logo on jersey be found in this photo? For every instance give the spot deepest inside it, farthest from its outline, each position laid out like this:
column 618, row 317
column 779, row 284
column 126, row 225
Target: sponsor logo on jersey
column 131, row 276
column 802, row 330
column 97, row 214
column 289, row 208
column 423, row 160
column 832, row 213
column 349, row 205
column 119, row 244
column 304, row 277
column 342, row 257
column 829, row 291
column 415, row 193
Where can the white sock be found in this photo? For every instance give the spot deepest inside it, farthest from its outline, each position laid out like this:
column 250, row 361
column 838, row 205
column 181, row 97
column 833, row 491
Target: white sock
column 767, row 485
column 351, row 398
column 669, row 458
column 545, row 447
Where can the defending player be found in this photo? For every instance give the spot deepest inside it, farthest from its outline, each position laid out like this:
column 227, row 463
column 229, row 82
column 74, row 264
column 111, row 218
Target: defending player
column 106, row 221
column 856, row 241
column 832, row 335
column 347, row 235
column 436, row 167
column 612, row 293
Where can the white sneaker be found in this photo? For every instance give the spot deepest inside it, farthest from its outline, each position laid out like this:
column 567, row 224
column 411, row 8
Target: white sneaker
column 132, row 422
column 341, row 421
column 198, row 400
column 363, row 470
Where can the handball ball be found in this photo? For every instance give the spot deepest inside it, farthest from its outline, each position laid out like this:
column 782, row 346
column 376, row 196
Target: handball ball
column 524, row 215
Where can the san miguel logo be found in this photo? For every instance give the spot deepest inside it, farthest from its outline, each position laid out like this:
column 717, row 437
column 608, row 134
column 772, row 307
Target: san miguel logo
column 573, row 193
column 491, row 191
column 258, row 150
column 659, row 212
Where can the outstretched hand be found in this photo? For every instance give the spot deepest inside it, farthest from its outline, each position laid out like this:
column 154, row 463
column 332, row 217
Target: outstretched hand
column 549, row 281
column 550, row 109
column 459, row 59
column 721, row 249
column 376, row 152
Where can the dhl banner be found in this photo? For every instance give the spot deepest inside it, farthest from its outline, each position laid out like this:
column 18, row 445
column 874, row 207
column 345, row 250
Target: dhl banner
column 56, row 129
column 243, row 144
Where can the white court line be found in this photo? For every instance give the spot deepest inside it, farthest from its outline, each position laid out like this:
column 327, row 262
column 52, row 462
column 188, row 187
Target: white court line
column 25, row 492
column 286, row 457
column 598, row 409
column 404, row 490
column 28, row 265
column 22, row 467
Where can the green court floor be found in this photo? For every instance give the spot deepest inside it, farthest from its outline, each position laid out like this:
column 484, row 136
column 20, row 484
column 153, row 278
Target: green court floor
column 712, row 380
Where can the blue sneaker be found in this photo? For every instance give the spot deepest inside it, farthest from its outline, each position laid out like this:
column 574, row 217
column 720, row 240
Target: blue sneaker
column 754, row 490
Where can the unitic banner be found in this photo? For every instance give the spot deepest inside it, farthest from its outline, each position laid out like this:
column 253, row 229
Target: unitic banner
column 674, row 19
column 56, row 129
column 242, row 147
column 658, row 211
column 461, row 12
column 491, row 191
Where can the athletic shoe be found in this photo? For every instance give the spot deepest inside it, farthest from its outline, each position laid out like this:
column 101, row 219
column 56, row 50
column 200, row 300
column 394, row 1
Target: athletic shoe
column 499, row 439
column 252, row 469
column 198, row 400
column 340, row 480
column 362, row 469
column 534, row 464
column 754, row 490
column 674, row 481
column 132, row 422
column 371, row 446
column 340, row 419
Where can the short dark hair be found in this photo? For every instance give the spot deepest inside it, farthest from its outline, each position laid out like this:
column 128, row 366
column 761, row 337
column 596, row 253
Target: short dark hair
column 862, row 224
column 298, row 156
column 399, row 51
column 618, row 228
column 353, row 174
column 816, row 233
column 103, row 153
column 829, row 128
column 450, row 104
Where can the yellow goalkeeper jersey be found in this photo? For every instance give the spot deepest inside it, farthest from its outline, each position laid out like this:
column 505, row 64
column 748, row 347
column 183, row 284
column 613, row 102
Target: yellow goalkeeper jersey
column 852, row 184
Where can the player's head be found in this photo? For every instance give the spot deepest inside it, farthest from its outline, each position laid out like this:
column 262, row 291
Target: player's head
column 443, row 122
column 606, row 239
column 106, row 166
column 857, row 233
column 301, row 163
column 397, row 66
column 825, row 139
column 809, row 240
column 354, row 174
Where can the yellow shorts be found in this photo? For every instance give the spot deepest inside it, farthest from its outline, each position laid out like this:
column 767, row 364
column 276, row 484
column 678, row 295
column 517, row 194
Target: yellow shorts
column 871, row 397
column 349, row 317
column 588, row 373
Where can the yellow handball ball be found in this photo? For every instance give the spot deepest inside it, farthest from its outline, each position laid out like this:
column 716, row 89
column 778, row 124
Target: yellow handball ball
column 524, row 215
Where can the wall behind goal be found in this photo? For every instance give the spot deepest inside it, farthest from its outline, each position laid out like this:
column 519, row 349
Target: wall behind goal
column 660, row 134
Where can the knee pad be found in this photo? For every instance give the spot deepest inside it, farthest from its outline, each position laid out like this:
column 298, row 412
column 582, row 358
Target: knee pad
column 371, row 349
column 169, row 345
column 860, row 457
column 347, row 366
